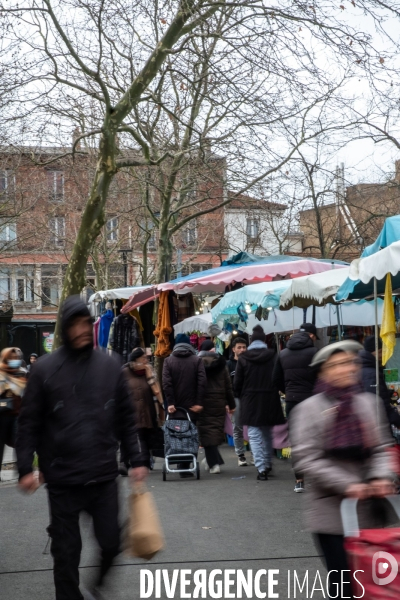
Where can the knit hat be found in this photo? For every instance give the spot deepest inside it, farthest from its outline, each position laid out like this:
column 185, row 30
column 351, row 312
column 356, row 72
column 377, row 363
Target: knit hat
column 206, row 346
column 182, row 338
column 369, row 343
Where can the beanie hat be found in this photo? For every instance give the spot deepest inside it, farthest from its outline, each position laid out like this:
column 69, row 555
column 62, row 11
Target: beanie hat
column 369, row 343
column 206, row 346
column 182, row 338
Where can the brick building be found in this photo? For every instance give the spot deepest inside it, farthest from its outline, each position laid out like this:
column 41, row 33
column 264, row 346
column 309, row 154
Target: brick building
column 343, row 228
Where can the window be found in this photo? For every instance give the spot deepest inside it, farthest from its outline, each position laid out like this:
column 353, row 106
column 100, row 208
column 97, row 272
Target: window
column 8, row 232
column 5, row 285
column 253, row 229
column 56, row 185
column 50, row 286
column 57, row 231
column 190, row 233
column 7, row 180
column 24, row 286
column 112, row 229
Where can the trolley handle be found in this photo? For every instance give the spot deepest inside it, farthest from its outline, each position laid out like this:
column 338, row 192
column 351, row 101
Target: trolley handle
column 348, row 511
column 179, row 408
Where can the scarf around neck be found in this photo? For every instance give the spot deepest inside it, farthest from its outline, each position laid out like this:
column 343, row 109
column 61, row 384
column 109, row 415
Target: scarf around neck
column 348, row 436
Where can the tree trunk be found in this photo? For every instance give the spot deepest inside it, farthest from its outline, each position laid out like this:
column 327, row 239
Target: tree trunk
column 93, row 219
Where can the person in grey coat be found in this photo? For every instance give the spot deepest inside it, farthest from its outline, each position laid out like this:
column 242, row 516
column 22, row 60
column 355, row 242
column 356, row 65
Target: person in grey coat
column 340, row 446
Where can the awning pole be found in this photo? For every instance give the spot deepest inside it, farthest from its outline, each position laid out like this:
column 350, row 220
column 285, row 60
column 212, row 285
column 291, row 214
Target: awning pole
column 338, row 323
column 377, row 392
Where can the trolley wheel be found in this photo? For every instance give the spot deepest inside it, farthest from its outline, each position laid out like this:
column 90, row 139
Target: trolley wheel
column 198, row 470
column 164, row 473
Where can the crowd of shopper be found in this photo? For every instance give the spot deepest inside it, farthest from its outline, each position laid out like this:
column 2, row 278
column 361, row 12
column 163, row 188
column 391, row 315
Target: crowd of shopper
column 77, row 404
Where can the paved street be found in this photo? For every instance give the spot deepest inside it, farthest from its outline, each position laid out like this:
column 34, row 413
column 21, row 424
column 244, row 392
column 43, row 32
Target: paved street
column 250, row 525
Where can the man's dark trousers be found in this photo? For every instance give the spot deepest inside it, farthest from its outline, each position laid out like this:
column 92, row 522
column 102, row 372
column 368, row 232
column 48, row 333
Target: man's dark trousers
column 100, row 500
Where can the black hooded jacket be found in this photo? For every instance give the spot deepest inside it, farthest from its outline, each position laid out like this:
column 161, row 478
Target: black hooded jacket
column 76, row 408
column 368, row 377
column 184, row 378
column 292, row 373
column 259, row 399
column 219, row 394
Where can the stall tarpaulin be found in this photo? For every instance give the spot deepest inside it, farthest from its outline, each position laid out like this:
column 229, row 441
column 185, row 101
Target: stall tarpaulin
column 118, row 293
column 318, row 289
column 264, row 269
column 378, row 259
column 199, row 323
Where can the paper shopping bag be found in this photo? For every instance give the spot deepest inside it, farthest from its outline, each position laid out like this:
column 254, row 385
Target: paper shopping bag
column 144, row 535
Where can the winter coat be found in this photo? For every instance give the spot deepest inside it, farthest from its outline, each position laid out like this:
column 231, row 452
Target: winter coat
column 329, row 477
column 124, row 336
column 76, row 407
column 184, row 378
column 104, row 328
column 142, row 397
column 219, row 394
column 259, row 399
column 368, row 377
column 231, row 364
column 292, row 372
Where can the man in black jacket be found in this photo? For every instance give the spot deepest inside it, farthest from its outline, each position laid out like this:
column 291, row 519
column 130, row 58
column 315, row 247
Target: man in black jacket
column 239, row 345
column 293, row 375
column 75, row 409
column 368, row 376
column 260, row 406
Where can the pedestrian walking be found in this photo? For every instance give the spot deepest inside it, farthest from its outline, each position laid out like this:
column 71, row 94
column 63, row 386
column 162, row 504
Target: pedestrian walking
column 339, row 443
column 184, row 383
column 368, row 377
column 145, row 394
column 260, row 406
column 218, row 400
column 294, row 377
column 32, row 359
column 239, row 345
column 76, row 407
column 12, row 387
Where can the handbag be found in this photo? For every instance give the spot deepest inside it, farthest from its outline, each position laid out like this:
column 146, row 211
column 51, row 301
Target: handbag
column 6, row 403
column 144, row 534
column 374, row 553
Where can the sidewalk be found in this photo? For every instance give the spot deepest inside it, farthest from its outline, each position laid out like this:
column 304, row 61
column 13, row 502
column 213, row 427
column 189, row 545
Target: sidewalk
column 226, row 521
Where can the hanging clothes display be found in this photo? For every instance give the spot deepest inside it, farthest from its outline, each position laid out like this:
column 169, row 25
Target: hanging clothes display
column 96, row 327
column 125, row 336
column 104, row 329
column 164, row 328
column 146, row 312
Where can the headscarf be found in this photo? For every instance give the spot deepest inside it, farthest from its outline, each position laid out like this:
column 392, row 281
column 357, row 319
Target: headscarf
column 11, row 379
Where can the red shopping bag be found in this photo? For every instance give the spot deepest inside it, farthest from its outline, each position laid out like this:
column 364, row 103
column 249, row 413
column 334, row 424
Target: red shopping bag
column 373, row 553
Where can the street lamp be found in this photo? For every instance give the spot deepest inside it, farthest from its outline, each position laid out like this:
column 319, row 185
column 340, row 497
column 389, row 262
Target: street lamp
column 125, row 252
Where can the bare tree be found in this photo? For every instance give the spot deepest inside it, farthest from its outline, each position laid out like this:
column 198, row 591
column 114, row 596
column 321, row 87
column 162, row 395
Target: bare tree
column 243, row 76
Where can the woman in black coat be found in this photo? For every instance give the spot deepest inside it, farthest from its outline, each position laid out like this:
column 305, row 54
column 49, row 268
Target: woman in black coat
column 218, row 399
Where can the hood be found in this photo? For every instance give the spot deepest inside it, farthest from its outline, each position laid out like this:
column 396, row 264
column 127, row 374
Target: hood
column 258, row 355
column 72, row 307
column 299, row 341
column 109, row 315
column 183, row 350
column 212, row 361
